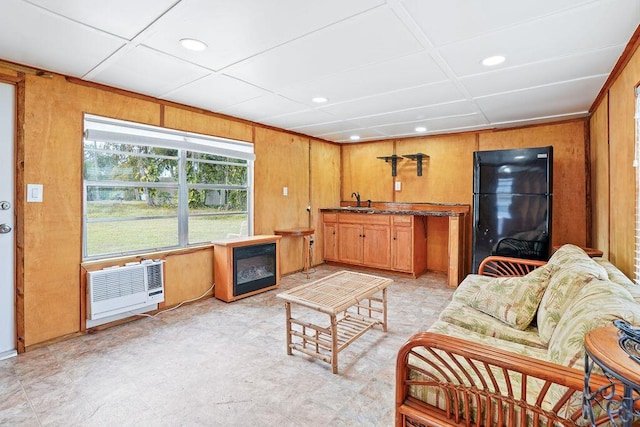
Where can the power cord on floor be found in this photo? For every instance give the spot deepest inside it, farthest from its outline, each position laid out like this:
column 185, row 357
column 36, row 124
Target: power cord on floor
column 177, row 306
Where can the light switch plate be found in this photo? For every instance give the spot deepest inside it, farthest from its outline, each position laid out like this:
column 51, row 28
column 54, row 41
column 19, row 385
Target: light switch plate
column 398, row 186
column 285, row 191
column 34, row 193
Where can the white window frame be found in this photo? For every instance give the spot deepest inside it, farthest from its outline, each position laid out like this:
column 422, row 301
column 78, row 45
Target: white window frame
column 97, row 128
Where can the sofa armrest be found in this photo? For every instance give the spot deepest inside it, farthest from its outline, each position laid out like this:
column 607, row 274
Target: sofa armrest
column 466, row 375
column 499, row 266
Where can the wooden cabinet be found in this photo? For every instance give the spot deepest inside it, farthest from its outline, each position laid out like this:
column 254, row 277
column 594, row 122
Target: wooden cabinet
column 330, row 236
column 375, row 240
column 376, row 251
column 402, row 243
column 350, row 243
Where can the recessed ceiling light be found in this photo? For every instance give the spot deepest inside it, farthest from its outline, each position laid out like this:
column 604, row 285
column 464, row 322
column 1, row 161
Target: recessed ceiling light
column 354, row 137
column 421, row 129
column 319, row 99
column 193, row 44
column 493, row 60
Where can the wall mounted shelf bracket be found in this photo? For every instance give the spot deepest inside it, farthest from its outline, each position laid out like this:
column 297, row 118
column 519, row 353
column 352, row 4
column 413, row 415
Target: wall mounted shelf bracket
column 418, row 158
column 394, row 162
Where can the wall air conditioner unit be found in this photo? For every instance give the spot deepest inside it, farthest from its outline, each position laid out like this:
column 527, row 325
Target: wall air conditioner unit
column 116, row 290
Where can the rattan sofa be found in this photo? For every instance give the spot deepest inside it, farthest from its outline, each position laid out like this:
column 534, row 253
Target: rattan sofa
column 508, row 349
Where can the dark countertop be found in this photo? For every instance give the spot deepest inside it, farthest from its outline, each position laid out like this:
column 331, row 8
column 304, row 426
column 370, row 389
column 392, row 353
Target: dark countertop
column 416, row 209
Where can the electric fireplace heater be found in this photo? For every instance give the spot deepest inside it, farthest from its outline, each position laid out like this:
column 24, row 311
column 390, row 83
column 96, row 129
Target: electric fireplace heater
column 254, row 268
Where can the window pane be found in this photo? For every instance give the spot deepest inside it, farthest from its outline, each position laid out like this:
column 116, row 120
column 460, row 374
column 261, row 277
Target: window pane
column 209, row 201
column 132, row 186
column 207, row 228
column 206, row 168
column 131, row 235
column 139, row 165
column 121, row 202
column 121, row 219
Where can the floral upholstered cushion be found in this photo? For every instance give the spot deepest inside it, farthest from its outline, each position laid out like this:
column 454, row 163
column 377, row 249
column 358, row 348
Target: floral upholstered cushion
column 513, row 300
column 468, row 288
column 449, row 329
column 597, row 304
column 460, row 314
column 614, row 274
column 573, row 271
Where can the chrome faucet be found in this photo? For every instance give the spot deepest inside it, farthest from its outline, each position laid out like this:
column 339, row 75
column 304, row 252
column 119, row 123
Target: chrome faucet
column 357, row 196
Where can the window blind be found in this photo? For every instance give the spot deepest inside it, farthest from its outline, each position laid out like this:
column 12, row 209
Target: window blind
column 119, row 131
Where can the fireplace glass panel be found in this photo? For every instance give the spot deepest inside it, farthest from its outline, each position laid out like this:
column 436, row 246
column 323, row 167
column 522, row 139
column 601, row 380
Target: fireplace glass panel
column 254, row 267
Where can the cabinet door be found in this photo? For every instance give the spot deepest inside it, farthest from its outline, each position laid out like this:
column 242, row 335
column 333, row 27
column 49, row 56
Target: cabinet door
column 350, row 243
column 402, row 249
column 331, row 241
column 376, row 247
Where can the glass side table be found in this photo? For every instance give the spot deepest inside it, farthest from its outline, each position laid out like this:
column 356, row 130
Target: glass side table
column 620, row 399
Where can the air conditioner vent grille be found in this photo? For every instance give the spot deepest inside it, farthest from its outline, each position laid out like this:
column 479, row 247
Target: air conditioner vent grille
column 117, row 290
column 118, row 283
column 154, row 276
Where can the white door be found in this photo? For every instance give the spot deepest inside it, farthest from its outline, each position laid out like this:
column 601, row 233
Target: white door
column 7, row 239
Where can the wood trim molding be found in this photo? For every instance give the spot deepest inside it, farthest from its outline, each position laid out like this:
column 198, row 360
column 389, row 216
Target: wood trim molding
column 19, row 151
column 624, row 59
column 24, row 69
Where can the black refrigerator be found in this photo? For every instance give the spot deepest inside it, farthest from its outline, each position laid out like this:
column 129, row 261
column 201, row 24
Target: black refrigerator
column 512, row 195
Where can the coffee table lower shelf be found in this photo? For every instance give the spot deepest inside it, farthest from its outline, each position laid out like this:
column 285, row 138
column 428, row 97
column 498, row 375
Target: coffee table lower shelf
column 354, row 302
column 348, row 329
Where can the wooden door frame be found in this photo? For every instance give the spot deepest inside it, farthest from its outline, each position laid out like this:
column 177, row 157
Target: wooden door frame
column 18, row 151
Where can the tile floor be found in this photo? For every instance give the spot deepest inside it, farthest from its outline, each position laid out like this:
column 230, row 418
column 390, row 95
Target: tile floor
column 216, row 364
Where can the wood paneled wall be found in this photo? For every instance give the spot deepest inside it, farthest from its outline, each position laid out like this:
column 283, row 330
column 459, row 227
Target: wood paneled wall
column 325, row 188
column 317, row 173
column 364, row 173
column 448, row 176
column 50, row 278
column 614, row 210
column 599, row 158
column 282, row 160
column 569, row 172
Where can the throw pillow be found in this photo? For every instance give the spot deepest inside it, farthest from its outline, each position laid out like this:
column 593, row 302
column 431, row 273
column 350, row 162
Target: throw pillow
column 513, row 300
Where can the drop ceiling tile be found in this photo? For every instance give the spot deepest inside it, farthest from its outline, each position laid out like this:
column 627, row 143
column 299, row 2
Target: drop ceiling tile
column 433, row 125
column 330, row 127
column 149, row 72
column 365, row 135
column 263, row 107
column 543, row 73
column 235, row 30
column 348, row 44
column 529, row 122
column 398, row 73
column 572, row 97
column 437, row 93
column 299, row 119
column 455, row 108
column 32, row 36
column 108, row 15
column 473, row 18
column 596, row 25
column 215, row 92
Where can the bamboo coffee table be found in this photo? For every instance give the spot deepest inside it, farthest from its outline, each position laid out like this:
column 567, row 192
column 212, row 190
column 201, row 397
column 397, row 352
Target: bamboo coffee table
column 351, row 301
